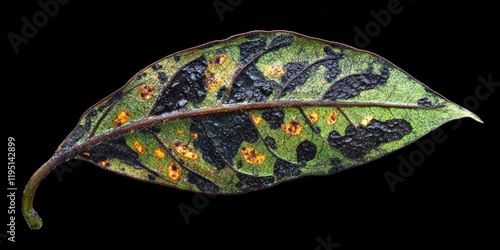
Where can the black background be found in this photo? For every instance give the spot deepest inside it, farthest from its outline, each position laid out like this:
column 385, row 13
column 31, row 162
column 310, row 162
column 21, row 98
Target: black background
column 89, row 49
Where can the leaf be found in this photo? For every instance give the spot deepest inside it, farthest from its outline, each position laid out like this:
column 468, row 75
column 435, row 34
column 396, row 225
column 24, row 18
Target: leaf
column 250, row 112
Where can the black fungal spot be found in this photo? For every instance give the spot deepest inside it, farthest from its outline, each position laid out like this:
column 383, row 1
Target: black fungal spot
column 151, row 177
column 188, row 85
column 92, row 112
column 226, row 132
column 275, row 118
column 336, row 166
column 203, row 184
column 306, row 151
column 424, row 102
column 79, row 132
column 239, row 164
column 162, row 77
column 251, row 85
column 177, row 58
column 270, row 142
column 352, row 85
column 248, row 50
column 281, row 41
column 220, row 93
column 283, row 169
column 111, row 100
column 140, row 76
column 332, row 65
column 157, row 66
column 249, row 183
column 359, row 141
column 292, row 72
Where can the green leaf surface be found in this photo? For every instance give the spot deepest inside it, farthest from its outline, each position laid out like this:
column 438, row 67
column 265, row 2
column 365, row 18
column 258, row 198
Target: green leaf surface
column 250, row 112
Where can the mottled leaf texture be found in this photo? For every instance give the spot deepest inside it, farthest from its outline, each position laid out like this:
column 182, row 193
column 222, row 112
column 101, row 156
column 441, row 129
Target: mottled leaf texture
column 252, row 111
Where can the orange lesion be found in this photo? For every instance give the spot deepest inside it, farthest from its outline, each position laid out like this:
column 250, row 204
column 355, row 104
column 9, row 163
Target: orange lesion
column 256, row 119
column 218, row 59
column 146, row 92
column 314, row 116
column 252, row 156
column 212, row 82
column 194, row 135
column 292, row 128
column 332, row 118
column 274, row 70
column 173, row 171
column 121, row 118
column 159, row 153
column 105, row 163
column 86, row 154
column 139, row 148
column 184, row 150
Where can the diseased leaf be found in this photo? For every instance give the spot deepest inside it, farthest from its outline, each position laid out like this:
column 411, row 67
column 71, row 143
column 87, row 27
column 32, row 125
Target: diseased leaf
column 250, row 112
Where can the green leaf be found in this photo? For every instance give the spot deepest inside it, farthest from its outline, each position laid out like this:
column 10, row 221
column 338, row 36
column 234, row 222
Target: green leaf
column 250, row 112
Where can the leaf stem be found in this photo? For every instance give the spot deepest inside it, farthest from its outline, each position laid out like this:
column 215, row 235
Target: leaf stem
column 30, row 215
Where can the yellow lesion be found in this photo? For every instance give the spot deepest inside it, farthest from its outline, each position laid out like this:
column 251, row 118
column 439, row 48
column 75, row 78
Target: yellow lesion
column 159, row 153
column 314, row 116
column 292, row 128
column 184, row 150
column 213, row 81
column 274, row 70
column 146, row 92
column 256, row 119
column 105, row 163
column 332, row 118
column 139, row 148
column 173, row 171
column 366, row 120
column 252, row 156
column 218, row 59
column 121, row 118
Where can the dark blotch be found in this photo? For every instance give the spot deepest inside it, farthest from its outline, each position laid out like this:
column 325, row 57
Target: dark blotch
column 188, row 85
column 162, row 77
column 177, row 58
column 157, row 66
column 291, row 79
column 221, row 92
column 203, row 184
column 352, row 85
column 332, row 65
column 275, row 118
column 226, row 133
column 251, row 86
column 249, row 183
column 140, row 76
column 281, row 41
column 151, row 177
column 239, row 164
column 116, row 96
column 306, row 151
column 424, row 102
column 359, row 141
column 248, row 50
column 270, row 142
column 284, row 169
column 336, row 166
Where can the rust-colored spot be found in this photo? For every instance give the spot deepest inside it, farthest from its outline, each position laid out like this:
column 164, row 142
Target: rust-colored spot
column 146, row 92
column 139, row 148
column 184, row 150
column 366, row 120
column 292, row 128
column 332, row 118
column 121, row 118
column 274, row 70
column 212, row 83
column 180, row 131
column 194, row 135
column 314, row 116
column 219, row 59
column 252, row 156
column 86, row 153
column 159, row 153
column 105, row 163
column 174, row 171
column 256, row 119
